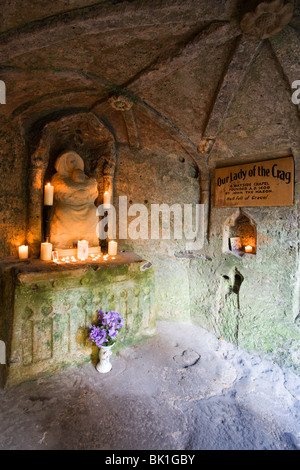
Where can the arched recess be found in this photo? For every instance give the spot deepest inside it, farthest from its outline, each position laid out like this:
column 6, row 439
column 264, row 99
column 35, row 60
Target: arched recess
column 239, row 234
column 85, row 134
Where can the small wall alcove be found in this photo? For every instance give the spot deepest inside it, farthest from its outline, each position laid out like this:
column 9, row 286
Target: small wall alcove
column 239, row 235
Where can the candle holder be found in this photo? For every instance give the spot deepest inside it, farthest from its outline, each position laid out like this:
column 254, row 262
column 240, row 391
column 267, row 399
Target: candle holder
column 104, row 242
column 104, row 246
column 46, row 218
column 48, row 203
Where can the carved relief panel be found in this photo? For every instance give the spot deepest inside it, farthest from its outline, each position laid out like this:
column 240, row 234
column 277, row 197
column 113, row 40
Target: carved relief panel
column 51, row 316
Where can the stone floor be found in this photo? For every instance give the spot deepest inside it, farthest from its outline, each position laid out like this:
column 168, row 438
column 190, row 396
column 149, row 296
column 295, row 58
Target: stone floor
column 183, row 389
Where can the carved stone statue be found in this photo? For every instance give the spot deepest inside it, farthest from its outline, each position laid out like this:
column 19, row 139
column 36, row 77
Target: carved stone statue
column 74, row 212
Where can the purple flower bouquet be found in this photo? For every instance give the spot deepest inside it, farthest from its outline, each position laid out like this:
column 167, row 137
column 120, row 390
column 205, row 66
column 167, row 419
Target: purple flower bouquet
column 107, row 327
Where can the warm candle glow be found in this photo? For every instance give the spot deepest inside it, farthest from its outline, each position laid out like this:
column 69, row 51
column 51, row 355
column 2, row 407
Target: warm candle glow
column 248, row 248
column 106, row 200
column 23, row 251
column 112, row 248
column 46, row 251
column 48, row 195
column 82, row 249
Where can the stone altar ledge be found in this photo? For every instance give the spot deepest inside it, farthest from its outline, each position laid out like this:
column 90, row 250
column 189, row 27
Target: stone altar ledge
column 36, row 264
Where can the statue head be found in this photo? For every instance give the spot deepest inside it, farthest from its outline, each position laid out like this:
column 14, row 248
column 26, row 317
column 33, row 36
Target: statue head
column 67, row 162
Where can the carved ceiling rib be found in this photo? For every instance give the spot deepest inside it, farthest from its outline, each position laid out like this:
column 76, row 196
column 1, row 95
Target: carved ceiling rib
column 132, row 129
column 288, row 60
column 164, row 123
column 64, row 27
column 245, row 52
column 166, row 64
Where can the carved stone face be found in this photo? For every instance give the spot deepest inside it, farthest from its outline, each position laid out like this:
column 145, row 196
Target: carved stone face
column 68, row 162
column 72, row 162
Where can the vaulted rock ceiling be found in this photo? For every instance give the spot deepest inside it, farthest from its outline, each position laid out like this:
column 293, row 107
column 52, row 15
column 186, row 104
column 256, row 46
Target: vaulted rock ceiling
column 178, row 62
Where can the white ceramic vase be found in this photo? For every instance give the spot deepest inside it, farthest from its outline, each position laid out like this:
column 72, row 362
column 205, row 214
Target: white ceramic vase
column 104, row 364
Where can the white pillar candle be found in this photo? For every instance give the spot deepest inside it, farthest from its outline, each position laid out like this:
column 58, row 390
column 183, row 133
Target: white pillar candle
column 23, row 251
column 106, row 200
column 112, row 248
column 48, row 195
column 82, row 249
column 46, row 251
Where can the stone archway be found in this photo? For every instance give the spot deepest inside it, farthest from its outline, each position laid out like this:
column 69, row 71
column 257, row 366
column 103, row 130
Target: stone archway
column 83, row 133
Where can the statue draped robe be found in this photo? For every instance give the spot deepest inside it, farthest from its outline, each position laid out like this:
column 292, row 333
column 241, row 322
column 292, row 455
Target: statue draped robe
column 74, row 212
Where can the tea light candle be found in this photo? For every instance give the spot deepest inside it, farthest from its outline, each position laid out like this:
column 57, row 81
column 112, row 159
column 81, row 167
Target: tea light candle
column 23, row 251
column 46, row 251
column 48, row 195
column 112, row 248
column 82, row 249
column 248, row 248
column 106, row 200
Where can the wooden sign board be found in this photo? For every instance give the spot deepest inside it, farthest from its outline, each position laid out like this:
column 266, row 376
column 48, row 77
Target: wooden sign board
column 267, row 183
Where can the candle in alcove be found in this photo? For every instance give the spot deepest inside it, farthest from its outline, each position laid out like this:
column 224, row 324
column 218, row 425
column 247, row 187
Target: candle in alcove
column 82, row 249
column 48, row 195
column 112, row 248
column 23, row 251
column 46, row 251
column 248, row 248
column 106, row 200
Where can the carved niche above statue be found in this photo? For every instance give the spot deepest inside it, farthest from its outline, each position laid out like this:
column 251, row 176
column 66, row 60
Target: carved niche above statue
column 74, row 212
column 267, row 19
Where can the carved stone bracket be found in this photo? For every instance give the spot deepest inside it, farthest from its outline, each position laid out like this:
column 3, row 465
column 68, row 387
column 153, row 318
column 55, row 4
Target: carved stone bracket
column 108, row 176
column 121, row 103
column 267, row 19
